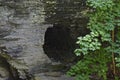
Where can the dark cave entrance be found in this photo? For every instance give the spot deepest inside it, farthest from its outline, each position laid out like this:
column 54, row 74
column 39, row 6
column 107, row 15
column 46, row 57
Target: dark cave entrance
column 58, row 44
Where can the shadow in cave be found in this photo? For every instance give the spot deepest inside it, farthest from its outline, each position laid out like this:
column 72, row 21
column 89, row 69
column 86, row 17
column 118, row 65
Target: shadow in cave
column 59, row 45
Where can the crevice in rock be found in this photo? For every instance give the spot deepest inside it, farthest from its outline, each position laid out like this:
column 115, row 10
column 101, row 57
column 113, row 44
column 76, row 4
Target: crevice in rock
column 58, row 44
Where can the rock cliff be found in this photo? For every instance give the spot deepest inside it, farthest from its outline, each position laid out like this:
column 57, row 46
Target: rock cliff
column 22, row 31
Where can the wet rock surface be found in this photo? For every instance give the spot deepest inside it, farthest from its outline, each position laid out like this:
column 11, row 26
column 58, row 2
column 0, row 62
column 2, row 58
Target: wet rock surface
column 53, row 76
column 4, row 74
column 22, row 33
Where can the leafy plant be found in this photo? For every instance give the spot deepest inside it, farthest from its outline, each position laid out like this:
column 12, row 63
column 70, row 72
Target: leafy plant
column 103, row 20
column 94, row 65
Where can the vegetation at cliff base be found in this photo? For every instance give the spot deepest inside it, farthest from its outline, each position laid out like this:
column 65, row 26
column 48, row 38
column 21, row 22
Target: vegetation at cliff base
column 101, row 47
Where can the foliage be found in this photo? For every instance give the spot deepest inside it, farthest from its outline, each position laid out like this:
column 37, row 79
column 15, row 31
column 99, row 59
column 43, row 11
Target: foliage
column 88, row 42
column 104, row 18
column 101, row 23
column 93, row 64
column 117, row 49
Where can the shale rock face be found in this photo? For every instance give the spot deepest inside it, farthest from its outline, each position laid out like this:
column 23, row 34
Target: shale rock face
column 22, row 31
column 4, row 74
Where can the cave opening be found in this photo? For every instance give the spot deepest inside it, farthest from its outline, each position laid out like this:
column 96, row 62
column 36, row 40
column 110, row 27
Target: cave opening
column 58, row 44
